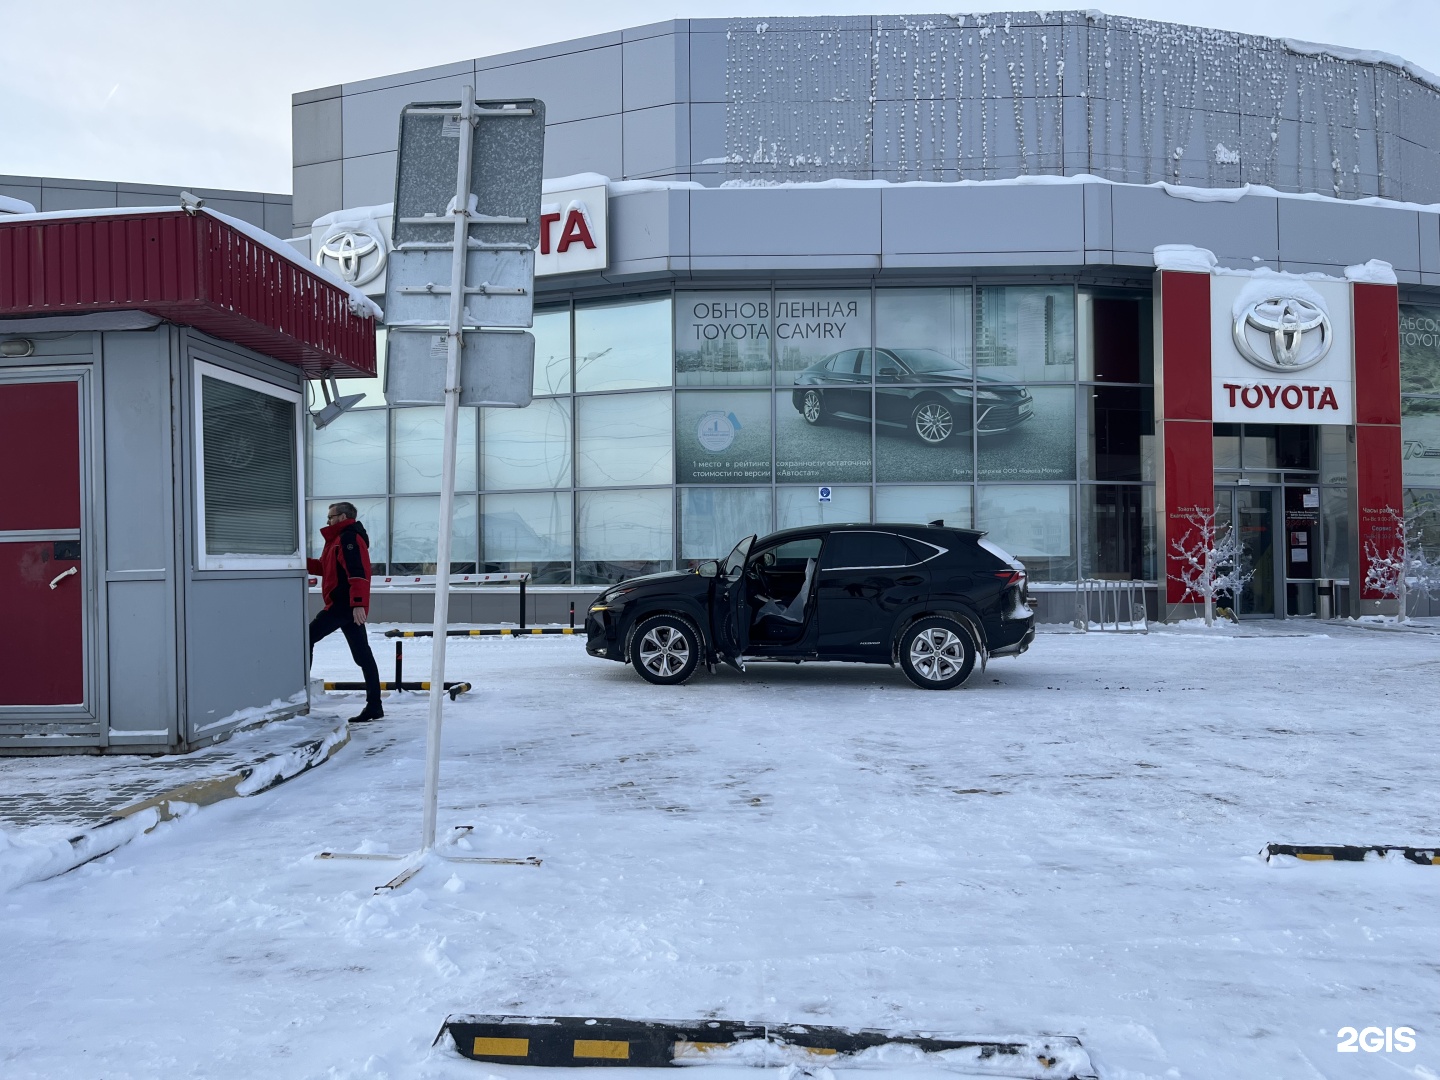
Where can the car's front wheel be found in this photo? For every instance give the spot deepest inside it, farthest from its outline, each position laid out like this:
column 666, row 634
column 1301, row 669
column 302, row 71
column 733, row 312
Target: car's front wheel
column 937, row 653
column 933, row 422
column 812, row 407
column 665, row 650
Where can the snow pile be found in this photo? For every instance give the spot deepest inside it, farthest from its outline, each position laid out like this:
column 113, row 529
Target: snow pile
column 281, row 767
column 1185, row 257
column 23, row 861
column 1374, row 272
column 9, row 205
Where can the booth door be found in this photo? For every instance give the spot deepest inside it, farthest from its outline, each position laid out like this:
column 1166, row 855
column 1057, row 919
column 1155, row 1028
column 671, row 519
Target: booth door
column 42, row 589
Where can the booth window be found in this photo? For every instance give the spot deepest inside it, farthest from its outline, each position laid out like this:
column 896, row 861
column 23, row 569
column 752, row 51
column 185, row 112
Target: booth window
column 249, row 475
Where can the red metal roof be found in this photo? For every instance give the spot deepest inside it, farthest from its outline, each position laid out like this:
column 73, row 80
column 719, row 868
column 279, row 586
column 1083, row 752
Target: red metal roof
column 190, row 268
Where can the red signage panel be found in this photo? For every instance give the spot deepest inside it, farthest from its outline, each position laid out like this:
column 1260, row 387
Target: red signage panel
column 1377, row 353
column 1189, row 486
column 1185, row 345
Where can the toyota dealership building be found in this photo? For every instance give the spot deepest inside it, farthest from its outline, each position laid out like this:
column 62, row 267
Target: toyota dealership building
column 1065, row 277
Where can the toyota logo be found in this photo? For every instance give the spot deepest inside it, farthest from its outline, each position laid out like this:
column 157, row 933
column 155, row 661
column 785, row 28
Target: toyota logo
column 347, row 250
column 1293, row 334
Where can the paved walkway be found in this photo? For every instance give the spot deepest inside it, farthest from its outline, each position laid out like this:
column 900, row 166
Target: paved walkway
column 58, row 812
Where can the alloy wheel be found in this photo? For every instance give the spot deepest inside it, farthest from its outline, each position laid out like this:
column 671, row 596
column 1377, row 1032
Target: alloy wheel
column 664, row 651
column 937, row 654
column 812, row 406
column 934, row 422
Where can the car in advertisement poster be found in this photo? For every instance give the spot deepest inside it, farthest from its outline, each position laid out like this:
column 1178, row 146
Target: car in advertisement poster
column 930, row 599
column 935, row 413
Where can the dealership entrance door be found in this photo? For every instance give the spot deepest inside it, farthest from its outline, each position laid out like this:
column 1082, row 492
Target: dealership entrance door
column 1253, row 512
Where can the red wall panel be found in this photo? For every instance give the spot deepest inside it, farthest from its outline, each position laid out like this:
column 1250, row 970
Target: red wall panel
column 1189, row 485
column 1379, row 493
column 1377, row 353
column 1185, row 345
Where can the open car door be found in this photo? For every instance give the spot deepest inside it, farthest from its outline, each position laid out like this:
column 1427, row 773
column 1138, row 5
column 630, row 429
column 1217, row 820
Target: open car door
column 731, row 612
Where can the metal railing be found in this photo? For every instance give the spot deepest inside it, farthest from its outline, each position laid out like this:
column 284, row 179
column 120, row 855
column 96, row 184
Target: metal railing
column 1111, row 606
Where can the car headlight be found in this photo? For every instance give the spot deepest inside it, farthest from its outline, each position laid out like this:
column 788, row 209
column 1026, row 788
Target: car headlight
column 988, row 395
column 610, row 601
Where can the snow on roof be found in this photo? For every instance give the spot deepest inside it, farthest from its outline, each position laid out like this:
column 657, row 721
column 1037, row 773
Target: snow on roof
column 1198, row 260
column 1363, row 56
column 9, row 205
column 360, row 304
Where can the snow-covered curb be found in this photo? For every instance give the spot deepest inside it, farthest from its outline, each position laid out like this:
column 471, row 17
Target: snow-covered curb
column 23, row 861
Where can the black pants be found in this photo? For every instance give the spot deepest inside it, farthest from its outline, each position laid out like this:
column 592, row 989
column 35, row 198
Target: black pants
column 339, row 618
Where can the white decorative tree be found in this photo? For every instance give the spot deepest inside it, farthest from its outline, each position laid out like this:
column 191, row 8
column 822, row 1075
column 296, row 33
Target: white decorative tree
column 1397, row 564
column 1211, row 557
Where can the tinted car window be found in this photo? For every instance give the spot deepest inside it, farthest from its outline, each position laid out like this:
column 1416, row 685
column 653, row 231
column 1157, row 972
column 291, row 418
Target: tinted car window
column 842, row 362
column 863, row 368
column 794, row 554
column 865, row 549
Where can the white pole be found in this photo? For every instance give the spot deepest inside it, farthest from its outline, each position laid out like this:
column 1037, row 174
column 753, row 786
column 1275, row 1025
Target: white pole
column 447, row 468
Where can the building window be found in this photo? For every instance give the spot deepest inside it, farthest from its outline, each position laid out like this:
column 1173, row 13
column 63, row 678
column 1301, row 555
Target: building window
column 1033, row 522
column 722, row 437
column 623, row 439
column 799, row 506
column 723, row 338
column 1119, row 521
column 249, row 445
column 347, row 456
column 419, row 441
column 950, row 503
column 415, row 541
column 531, row 534
column 623, row 346
column 622, row 534
column 1025, row 332
column 712, row 520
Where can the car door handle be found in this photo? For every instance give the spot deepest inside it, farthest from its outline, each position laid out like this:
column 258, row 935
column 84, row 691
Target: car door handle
column 61, row 577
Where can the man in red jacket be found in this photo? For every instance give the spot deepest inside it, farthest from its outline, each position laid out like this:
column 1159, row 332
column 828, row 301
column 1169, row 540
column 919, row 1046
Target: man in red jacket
column 344, row 572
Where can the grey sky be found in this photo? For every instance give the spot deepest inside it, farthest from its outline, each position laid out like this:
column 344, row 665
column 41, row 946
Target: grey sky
column 199, row 94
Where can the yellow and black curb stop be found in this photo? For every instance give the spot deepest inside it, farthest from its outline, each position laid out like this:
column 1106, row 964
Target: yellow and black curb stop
column 570, row 1041
column 1352, row 852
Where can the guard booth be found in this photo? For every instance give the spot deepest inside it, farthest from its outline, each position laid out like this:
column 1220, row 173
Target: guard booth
column 152, row 571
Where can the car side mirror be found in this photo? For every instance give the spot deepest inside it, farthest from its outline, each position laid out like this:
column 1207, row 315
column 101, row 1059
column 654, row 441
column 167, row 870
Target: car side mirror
column 708, row 568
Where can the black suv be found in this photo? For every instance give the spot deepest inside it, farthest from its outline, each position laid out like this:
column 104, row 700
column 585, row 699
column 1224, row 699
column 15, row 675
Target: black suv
column 839, row 386
column 926, row 597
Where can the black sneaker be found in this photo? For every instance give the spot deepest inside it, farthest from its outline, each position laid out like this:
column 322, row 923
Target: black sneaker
column 370, row 712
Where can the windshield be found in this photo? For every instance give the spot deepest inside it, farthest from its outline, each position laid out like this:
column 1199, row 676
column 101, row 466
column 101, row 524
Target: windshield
column 923, row 361
column 735, row 561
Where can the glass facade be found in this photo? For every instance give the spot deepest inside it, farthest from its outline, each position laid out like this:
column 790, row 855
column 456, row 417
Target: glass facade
column 667, row 426
column 1420, row 419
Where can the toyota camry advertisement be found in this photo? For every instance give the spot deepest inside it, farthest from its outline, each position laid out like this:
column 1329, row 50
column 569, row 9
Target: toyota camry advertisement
column 896, row 391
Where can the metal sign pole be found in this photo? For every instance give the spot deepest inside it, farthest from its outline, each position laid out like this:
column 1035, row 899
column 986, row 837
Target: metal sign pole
column 487, row 360
column 447, row 468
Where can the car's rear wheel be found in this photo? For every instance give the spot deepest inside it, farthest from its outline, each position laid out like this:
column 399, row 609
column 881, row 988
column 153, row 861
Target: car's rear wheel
column 665, row 650
column 812, row 407
column 937, row 653
column 933, row 422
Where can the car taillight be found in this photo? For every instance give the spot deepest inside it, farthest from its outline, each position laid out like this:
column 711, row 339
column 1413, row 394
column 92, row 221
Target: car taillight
column 1011, row 577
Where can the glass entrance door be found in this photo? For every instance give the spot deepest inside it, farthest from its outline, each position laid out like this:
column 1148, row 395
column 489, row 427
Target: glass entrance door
column 1252, row 512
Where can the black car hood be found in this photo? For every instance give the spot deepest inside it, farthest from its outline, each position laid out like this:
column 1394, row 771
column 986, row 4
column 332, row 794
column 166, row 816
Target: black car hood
column 667, row 577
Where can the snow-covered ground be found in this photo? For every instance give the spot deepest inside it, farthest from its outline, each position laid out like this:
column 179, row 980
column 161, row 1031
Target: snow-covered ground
column 1066, row 846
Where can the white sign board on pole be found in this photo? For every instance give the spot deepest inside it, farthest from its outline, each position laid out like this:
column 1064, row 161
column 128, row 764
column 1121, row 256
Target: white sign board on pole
column 467, row 193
